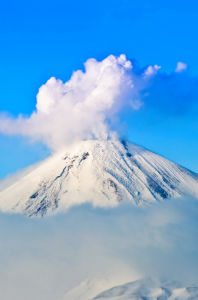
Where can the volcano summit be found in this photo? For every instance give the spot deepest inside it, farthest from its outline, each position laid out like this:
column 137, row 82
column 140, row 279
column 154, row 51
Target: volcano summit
column 103, row 173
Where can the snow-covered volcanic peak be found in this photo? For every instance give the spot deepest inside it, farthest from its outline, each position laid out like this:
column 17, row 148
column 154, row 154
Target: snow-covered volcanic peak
column 143, row 289
column 103, row 173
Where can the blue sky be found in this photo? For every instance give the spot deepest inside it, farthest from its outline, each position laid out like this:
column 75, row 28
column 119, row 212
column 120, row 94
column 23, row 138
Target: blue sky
column 41, row 39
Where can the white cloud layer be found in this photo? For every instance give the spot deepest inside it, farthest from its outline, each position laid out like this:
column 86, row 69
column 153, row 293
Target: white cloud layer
column 84, row 106
column 43, row 258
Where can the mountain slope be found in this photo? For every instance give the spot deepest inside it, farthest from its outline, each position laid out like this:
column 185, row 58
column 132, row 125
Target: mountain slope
column 103, row 173
column 90, row 288
column 141, row 289
column 148, row 289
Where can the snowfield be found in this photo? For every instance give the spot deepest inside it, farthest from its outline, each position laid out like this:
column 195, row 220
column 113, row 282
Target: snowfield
column 142, row 289
column 103, row 173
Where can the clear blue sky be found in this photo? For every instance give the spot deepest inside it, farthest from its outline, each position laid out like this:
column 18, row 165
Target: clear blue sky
column 40, row 39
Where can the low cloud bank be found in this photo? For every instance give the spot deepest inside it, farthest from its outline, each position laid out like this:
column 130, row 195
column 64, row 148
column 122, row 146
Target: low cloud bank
column 42, row 258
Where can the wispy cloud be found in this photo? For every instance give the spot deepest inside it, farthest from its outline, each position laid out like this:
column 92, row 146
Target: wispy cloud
column 181, row 66
column 173, row 94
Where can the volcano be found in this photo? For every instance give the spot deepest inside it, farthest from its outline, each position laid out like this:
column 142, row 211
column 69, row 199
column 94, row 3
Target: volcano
column 103, row 173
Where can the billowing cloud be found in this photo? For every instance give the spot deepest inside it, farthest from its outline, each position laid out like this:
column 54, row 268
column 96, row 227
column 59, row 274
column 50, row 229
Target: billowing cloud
column 89, row 103
column 83, row 107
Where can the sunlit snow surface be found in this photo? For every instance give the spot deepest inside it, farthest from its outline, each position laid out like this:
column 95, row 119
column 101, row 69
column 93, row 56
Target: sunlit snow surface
column 143, row 289
column 103, row 173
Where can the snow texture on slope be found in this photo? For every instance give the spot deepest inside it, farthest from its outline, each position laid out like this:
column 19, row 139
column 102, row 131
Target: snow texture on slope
column 103, row 173
column 148, row 289
column 142, row 289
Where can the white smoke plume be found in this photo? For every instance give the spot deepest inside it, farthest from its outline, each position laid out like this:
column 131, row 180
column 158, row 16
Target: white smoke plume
column 84, row 106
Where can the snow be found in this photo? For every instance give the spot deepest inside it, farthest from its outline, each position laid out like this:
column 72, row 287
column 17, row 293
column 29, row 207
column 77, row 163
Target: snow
column 90, row 288
column 103, row 173
column 142, row 289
